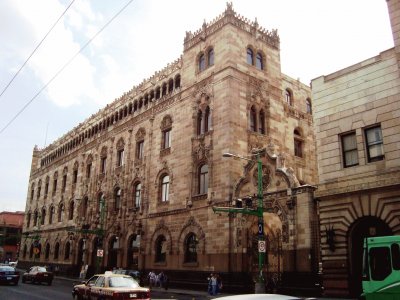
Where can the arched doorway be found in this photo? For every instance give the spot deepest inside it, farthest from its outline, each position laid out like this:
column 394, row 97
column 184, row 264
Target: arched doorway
column 80, row 259
column 360, row 229
column 133, row 252
column 113, row 246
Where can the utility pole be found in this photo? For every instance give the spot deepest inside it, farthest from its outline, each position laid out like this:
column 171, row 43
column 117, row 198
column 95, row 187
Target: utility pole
column 259, row 212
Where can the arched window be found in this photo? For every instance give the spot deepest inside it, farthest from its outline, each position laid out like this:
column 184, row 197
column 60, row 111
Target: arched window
column 261, row 122
column 60, row 212
column 47, row 251
column 43, row 217
column 259, row 61
column 71, row 210
column 24, row 251
column 289, row 97
column 161, row 251
column 298, row 143
column 99, row 200
column 250, row 59
column 28, row 220
column 203, row 179
column 177, row 81
column 202, row 62
column 85, row 205
column 117, row 199
column 210, row 57
column 32, row 191
column 308, row 106
column 164, row 188
column 51, row 214
column 31, row 252
column 191, row 243
column 137, row 191
column 67, row 250
column 39, row 189
column 35, row 218
column 253, row 119
column 56, row 250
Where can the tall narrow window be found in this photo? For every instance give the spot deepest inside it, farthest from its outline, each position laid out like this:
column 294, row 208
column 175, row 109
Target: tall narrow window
column 308, row 106
column 191, row 248
column 203, row 179
column 207, row 120
column 75, row 176
column 39, row 189
column 211, row 57
column 349, row 148
column 67, row 250
column 261, row 122
column 43, row 216
column 51, row 214
column 138, row 194
column 253, row 117
column 35, row 218
column 117, row 200
column 103, row 165
column 166, row 138
column 200, row 128
column 32, row 191
column 250, row 58
column 298, row 144
column 64, row 182
column 46, row 187
column 60, row 212
column 139, row 149
column 259, row 61
column 88, row 170
column 202, row 62
column 71, row 210
column 120, row 157
column 85, row 206
column 165, row 188
column 56, row 250
column 289, row 97
column 28, row 220
column 374, row 144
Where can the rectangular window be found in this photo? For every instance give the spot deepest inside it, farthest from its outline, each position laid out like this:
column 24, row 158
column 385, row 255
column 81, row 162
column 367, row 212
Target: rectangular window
column 374, row 144
column 139, row 149
column 103, row 165
column 54, row 185
column 120, row 157
column 349, row 148
column 64, row 183
column 167, row 139
column 298, row 148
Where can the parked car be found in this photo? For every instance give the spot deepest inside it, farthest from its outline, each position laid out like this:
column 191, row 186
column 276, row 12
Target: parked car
column 9, row 275
column 259, row 297
column 110, row 286
column 38, row 274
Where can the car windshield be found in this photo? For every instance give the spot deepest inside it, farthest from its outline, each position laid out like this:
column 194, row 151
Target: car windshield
column 6, row 269
column 41, row 269
column 123, row 282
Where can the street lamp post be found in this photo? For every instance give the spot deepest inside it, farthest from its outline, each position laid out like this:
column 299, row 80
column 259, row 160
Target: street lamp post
column 260, row 284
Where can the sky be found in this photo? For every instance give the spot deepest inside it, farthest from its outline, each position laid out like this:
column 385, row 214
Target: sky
column 317, row 37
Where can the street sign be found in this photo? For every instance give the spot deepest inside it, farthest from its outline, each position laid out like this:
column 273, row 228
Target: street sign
column 100, row 252
column 36, row 250
column 261, row 246
column 260, row 228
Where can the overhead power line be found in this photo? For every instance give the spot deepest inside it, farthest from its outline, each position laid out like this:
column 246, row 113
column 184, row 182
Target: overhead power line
column 64, row 66
column 33, row 52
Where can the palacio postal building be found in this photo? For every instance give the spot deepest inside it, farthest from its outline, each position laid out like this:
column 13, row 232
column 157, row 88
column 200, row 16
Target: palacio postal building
column 138, row 180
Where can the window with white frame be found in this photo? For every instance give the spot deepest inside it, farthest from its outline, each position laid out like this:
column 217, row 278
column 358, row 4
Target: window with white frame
column 349, row 150
column 374, row 144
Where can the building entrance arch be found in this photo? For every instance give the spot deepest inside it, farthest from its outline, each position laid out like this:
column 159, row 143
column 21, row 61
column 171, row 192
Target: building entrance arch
column 360, row 229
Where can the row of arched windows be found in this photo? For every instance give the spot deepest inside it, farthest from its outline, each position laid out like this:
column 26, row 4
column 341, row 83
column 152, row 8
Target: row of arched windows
column 255, row 58
column 205, row 59
column 155, row 94
column 190, row 246
column 289, row 99
column 56, row 252
column 42, row 217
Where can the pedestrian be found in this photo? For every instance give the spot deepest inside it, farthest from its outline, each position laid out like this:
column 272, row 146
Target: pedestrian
column 214, row 285
column 209, row 287
column 160, row 279
column 219, row 284
column 152, row 278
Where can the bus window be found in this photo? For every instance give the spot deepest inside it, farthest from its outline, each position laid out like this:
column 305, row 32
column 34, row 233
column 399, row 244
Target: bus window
column 395, row 249
column 380, row 263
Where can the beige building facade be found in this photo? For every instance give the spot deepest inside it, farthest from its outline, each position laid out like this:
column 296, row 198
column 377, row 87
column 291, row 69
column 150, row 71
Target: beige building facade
column 154, row 158
column 356, row 113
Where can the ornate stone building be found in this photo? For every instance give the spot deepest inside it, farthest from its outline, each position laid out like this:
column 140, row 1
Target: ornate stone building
column 154, row 156
column 356, row 113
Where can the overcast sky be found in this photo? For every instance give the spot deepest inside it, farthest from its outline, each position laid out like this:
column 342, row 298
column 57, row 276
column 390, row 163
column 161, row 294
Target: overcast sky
column 317, row 37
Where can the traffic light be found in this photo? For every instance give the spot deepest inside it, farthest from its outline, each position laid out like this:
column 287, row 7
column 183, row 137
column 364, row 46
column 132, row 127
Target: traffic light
column 248, row 201
column 237, row 203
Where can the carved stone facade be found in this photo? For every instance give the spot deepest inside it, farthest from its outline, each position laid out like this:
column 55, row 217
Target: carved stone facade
column 155, row 156
column 356, row 113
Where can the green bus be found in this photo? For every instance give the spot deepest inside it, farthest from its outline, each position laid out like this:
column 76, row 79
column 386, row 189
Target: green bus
column 381, row 268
